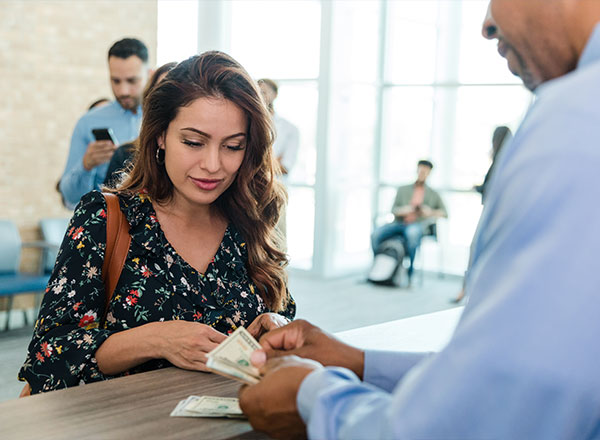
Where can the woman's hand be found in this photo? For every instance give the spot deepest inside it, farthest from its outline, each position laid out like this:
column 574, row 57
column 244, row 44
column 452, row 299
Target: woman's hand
column 185, row 344
column 26, row 391
column 266, row 322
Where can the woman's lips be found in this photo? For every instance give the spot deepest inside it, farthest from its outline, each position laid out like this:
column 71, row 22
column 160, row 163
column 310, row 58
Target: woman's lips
column 206, row 184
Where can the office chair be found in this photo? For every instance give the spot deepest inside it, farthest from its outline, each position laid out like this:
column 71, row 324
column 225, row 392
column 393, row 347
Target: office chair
column 12, row 280
column 430, row 234
column 53, row 231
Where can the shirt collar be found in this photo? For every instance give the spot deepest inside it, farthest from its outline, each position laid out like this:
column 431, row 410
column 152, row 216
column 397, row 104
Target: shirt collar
column 591, row 52
column 138, row 110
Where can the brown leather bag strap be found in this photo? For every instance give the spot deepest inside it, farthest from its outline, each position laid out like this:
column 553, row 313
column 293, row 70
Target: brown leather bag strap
column 117, row 247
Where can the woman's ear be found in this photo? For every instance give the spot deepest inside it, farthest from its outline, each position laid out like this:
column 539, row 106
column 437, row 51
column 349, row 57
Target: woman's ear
column 160, row 141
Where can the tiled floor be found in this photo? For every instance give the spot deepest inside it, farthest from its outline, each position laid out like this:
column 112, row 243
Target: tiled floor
column 334, row 305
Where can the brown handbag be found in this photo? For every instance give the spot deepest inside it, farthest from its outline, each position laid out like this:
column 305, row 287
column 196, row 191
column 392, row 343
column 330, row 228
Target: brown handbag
column 117, row 246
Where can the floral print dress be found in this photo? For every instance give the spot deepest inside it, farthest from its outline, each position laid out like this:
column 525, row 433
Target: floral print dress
column 156, row 284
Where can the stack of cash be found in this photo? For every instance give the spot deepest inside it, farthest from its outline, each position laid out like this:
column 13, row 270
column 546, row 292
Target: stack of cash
column 208, row 406
column 231, row 358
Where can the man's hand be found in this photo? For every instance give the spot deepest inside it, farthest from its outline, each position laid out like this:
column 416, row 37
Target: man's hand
column 266, row 322
column 97, row 153
column 426, row 211
column 308, row 341
column 271, row 404
column 403, row 211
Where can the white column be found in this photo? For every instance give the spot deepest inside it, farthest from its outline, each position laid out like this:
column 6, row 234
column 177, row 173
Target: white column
column 214, row 25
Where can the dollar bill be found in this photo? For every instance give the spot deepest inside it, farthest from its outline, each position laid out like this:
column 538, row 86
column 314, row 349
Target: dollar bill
column 208, row 406
column 231, row 358
column 226, row 369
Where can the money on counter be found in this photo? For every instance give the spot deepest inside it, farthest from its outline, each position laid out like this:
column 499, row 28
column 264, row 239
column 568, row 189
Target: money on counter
column 231, row 358
column 208, row 406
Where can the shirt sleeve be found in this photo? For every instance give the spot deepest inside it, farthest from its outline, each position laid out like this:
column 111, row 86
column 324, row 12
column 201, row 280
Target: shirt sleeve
column 378, row 373
column 292, row 143
column 76, row 180
column 440, row 204
column 67, row 334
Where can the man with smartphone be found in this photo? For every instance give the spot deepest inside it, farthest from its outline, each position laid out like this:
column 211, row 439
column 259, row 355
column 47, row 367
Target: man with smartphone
column 98, row 133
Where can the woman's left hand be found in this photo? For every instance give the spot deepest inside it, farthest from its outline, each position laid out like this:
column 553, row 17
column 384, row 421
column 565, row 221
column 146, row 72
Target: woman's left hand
column 266, row 322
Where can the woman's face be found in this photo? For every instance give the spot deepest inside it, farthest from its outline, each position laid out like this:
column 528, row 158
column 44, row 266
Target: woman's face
column 204, row 148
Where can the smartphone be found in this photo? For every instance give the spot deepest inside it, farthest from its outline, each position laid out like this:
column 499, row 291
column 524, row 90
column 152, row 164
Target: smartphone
column 104, row 134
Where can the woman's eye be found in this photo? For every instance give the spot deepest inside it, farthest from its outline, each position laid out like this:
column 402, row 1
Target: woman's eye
column 235, row 147
column 192, row 144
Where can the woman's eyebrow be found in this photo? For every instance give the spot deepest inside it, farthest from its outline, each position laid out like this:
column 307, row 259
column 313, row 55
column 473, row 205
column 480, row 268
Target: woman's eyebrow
column 208, row 136
column 195, row 130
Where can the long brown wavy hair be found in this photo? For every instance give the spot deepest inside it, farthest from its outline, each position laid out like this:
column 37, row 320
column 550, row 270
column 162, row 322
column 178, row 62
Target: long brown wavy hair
column 254, row 199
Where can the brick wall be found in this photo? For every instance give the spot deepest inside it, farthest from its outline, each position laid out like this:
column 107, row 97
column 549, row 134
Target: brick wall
column 52, row 66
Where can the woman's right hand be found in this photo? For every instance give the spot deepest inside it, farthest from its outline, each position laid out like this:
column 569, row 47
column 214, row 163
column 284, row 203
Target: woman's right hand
column 185, row 344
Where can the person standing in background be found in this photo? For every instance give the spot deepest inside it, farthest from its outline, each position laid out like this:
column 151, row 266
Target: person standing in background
column 124, row 155
column 98, row 103
column 287, row 141
column 88, row 158
column 502, row 135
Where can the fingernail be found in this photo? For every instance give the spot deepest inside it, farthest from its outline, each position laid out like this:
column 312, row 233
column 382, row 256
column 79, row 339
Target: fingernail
column 258, row 358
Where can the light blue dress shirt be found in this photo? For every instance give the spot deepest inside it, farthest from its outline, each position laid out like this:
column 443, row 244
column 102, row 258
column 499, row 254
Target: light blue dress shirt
column 76, row 180
column 524, row 362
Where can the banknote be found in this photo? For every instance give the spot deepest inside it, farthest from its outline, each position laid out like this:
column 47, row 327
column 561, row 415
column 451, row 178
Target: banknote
column 208, row 406
column 231, row 358
column 220, row 366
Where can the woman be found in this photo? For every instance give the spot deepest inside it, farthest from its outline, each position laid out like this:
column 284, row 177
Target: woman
column 202, row 203
column 502, row 135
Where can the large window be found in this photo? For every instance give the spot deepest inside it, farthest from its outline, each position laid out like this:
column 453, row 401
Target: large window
column 445, row 89
column 281, row 41
column 373, row 86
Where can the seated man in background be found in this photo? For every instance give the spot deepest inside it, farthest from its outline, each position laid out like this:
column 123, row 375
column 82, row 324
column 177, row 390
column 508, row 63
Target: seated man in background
column 88, row 158
column 416, row 207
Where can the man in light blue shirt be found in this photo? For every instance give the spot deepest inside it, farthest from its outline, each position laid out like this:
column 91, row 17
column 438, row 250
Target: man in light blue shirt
column 524, row 362
column 88, row 159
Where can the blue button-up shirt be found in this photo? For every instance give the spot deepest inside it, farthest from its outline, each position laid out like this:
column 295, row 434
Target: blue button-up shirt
column 76, row 180
column 524, row 362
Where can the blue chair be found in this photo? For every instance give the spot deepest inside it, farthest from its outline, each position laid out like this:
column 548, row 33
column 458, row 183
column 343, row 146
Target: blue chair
column 53, row 232
column 12, row 280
